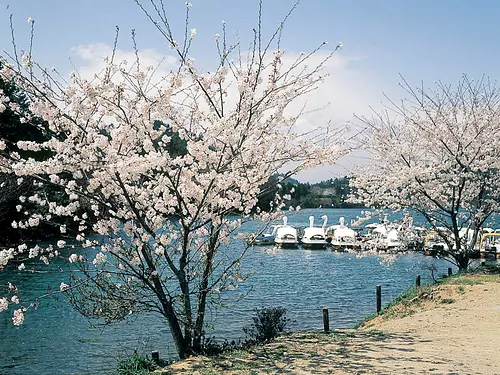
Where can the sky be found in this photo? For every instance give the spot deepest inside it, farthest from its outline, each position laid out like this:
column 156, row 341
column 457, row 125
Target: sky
column 421, row 40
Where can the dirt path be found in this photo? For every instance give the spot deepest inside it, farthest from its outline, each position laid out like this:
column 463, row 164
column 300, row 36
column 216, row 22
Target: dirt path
column 451, row 329
column 455, row 331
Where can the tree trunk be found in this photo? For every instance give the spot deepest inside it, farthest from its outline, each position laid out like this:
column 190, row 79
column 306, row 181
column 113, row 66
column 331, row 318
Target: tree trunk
column 180, row 343
column 186, row 295
column 462, row 261
column 462, row 266
column 202, row 297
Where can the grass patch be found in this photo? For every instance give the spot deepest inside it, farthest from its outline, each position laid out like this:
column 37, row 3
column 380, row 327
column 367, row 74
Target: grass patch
column 406, row 295
column 208, row 372
column 237, row 353
column 342, row 351
column 135, row 365
column 347, row 334
column 364, row 320
column 402, row 305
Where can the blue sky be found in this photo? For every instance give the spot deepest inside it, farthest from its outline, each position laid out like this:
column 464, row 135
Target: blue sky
column 426, row 40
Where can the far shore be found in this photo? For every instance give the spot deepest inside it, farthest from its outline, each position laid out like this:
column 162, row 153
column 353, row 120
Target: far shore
column 448, row 328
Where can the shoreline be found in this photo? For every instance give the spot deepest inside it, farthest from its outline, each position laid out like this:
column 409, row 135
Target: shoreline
column 445, row 328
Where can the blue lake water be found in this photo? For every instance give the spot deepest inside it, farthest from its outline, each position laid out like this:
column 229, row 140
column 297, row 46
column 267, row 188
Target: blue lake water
column 56, row 340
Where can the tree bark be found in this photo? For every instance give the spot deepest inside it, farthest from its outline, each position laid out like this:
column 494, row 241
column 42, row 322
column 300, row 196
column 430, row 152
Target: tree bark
column 202, row 298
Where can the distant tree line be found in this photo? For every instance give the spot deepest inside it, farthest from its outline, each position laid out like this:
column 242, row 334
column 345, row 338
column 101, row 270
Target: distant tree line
column 330, row 193
column 16, row 126
column 12, row 130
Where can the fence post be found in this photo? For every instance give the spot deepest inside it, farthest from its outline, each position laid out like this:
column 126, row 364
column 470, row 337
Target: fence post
column 326, row 320
column 155, row 356
column 450, row 271
column 379, row 298
column 417, row 282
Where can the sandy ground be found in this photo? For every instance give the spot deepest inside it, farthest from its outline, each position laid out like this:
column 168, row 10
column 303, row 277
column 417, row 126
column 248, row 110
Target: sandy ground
column 449, row 329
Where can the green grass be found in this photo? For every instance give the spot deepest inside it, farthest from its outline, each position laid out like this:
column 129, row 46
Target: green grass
column 135, row 365
column 403, row 299
column 237, row 353
column 208, row 372
column 364, row 320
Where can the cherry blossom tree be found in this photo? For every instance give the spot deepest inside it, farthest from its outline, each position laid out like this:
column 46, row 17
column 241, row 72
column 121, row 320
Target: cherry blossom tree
column 438, row 153
column 164, row 216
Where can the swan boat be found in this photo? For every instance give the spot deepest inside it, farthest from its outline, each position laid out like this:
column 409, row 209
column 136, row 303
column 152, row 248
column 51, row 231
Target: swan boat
column 341, row 236
column 263, row 239
column 314, row 237
column 286, row 235
column 383, row 237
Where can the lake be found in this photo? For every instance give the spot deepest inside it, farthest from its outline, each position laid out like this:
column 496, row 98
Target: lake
column 56, row 340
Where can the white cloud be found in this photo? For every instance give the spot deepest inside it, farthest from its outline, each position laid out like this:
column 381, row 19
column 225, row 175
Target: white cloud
column 89, row 59
column 345, row 92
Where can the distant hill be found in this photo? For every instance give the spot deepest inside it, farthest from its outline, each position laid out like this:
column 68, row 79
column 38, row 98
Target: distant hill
column 330, row 193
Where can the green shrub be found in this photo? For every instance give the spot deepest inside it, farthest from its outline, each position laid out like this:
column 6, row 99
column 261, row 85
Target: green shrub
column 212, row 347
column 267, row 324
column 135, row 365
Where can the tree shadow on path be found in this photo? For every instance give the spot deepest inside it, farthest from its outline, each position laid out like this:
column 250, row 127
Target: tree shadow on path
column 338, row 352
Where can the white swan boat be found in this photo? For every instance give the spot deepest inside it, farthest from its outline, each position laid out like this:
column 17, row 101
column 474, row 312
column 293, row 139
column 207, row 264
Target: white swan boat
column 383, row 237
column 341, row 236
column 263, row 239
column 314, row 237
column 286, row 235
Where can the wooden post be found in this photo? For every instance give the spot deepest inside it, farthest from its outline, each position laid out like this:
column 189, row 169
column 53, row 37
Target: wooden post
column 326, row 320
column 155, row 356
column 450, row 271
column 417, row 282
column 379, row 298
